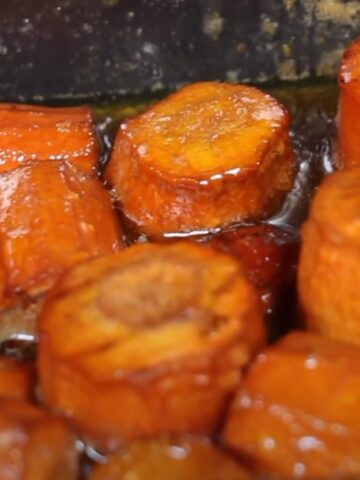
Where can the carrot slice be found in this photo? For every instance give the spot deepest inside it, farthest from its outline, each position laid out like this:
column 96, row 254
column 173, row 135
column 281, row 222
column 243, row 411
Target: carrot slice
column 349, row 107
column 296, row 414
column 29, row 132
column 51, row 217
column 182, row 459
column 206, row 156
column 329, row 259
column 35, row 445
column 161, row 331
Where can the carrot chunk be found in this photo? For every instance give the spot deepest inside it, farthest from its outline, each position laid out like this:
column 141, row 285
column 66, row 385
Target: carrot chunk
column 183, row 459
column 52, row 217
column 207, row 156
column 296, row 414
column 157, row 334
column 35, row 445
column 29, row 132
column 349, row 107
column 328, row 272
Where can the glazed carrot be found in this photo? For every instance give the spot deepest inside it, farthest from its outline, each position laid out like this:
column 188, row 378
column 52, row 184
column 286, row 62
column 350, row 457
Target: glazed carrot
column 268, row 254
column 207, row 156
column 35, row 445
column 52, row 217
column 183, row 459
column 296, row 414
column 29, row 132
column 329, row 259
column 16, row 379
column 349, row 107
column 157, row 334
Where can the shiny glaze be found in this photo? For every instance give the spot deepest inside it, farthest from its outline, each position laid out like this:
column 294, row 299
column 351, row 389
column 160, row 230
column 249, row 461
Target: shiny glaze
column 269, row 255
column 52, row 216
column 30, row 133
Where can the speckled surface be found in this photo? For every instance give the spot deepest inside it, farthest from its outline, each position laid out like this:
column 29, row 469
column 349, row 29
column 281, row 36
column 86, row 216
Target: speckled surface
column 82, row 48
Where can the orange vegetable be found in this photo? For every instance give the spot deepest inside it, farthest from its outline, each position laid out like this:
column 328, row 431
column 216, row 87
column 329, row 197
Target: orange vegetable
column 35, row 445
column 296, row 414
column 268, row 254
column 349, row 107
column 328, row 271
column 51, row 217
column 148, row 341
column 29, row 132
column 16, row 379
column 184, row 459
column 207, row 156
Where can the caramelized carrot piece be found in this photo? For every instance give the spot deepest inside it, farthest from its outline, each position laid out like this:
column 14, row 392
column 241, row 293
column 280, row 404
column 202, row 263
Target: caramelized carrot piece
column 206, row 156
column 16, row 379
column 184, row 459
column 51, row 217
column 269, row 256
column 349, row 107
column 29, row 132
column 328, row 272
column 296, row 414
column 35, row 445
column 156, row 334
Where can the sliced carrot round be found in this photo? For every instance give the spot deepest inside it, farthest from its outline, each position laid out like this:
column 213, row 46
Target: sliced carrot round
column 52, row 216
column 161, row 331
column 330, row 255
column 349, row 107
column 209, row 155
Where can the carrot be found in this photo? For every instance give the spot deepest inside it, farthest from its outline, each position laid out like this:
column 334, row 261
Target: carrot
column 207, row 156
column 330, row 255
column 296, row 413
column 148, row 341
column 349, row 107
column 52, row 217
column 180, row 459
column 29, row 132
column 36, row 445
